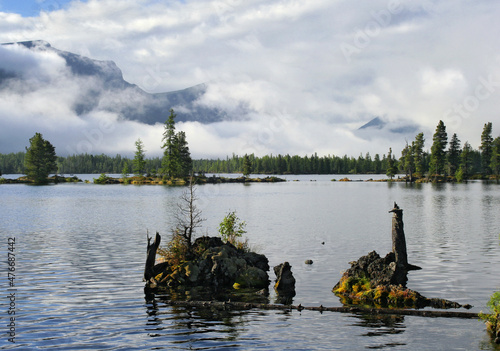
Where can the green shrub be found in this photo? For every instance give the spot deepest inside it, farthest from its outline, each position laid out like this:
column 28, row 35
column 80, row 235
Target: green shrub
column 493, row 317
column 231, row 228
column 103, row 178
column 176, row 251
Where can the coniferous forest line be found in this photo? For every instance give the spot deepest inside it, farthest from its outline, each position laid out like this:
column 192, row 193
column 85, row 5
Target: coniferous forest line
column 446, row 157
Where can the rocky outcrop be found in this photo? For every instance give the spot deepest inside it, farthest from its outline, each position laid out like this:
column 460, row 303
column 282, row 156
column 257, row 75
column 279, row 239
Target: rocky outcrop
column 215, row 267
column 381, row 281
column 285, row 283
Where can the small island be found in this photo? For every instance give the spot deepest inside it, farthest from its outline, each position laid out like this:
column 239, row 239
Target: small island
column 197, row 179
column 380, row 282
column 55, row 179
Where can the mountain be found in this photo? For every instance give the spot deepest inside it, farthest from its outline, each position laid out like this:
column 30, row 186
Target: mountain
column 375, row 123
column 109, row 92
column 402, row 127
column 382, row 129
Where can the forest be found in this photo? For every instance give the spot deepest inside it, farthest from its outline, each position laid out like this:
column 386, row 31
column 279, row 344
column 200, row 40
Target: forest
column 413, row 160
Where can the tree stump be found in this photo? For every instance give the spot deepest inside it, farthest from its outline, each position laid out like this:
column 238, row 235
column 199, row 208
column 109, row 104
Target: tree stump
column 399, row 240
column 149, row 271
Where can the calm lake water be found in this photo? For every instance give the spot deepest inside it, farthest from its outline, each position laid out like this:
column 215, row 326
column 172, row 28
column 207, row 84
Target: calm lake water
column 80, row 253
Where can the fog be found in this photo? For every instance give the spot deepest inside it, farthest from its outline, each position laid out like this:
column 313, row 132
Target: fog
column 295, row 78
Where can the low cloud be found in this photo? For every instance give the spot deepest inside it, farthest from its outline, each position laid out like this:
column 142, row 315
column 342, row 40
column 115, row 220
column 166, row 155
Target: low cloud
column 292, row 77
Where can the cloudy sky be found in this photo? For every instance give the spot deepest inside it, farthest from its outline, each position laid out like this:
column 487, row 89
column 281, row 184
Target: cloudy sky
column 310, row 72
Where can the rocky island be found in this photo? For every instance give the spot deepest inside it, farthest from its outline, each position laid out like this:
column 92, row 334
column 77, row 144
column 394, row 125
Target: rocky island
column 212, row 270
column 375, row 281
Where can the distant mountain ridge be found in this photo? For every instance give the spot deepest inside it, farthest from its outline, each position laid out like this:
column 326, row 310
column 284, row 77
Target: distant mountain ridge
column 378, row 123
column 112, row 93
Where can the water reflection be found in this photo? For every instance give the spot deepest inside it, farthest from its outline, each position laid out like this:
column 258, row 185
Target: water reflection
column 378, row 325
column 197, row 327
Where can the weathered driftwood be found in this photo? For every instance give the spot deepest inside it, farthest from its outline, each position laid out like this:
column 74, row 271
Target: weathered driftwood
column 343, row 309
column 149, row 271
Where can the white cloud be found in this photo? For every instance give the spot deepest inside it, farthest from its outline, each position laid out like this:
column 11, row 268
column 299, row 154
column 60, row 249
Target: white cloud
column 409, row 63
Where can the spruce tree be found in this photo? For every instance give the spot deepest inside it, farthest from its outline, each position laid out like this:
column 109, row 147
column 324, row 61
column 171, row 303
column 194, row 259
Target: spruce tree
column 486, row 148
column 40, row 159
column 438, row 154
column 169, row 161
column 465, row 162
column 139, row 162
column 377, row 164
column 125, row 171
column 247, row 166
column 184, row 161
column 495, row 158
column 453, row 155
column 176, row 162
column 408, row 160
column 418, row 154
column 391, row 165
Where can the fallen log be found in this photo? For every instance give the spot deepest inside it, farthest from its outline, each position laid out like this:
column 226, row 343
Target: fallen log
column 342, row 309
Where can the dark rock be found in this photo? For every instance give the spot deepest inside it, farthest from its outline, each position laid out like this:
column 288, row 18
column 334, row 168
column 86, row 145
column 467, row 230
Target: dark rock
column 215, row 267
column 256, row 260
column 285, row 282
column 206, row 242
column 309, row 262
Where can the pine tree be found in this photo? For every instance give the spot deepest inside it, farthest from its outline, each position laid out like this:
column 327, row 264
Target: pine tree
column 176, row 162
column 40, row 159
column 139, row 162
column 247, row 166
column 169, row 161
column 438, row 154
column 418, row 154
column 465, row 162
column 125, row 171
column 377, row 164
column 391, row 165
column 495, row 158
column 184, row 161
column 408, row 160
column 453, row 155
column 486, row 148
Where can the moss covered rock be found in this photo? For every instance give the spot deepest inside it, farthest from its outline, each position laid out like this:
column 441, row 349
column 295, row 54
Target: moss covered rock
column 216, row 266
column 379, row 282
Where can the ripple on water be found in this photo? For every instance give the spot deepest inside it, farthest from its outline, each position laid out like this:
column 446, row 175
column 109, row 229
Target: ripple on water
column 82, row 248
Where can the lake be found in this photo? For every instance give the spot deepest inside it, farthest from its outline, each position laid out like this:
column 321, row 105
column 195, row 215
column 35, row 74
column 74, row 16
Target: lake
column 80, row 251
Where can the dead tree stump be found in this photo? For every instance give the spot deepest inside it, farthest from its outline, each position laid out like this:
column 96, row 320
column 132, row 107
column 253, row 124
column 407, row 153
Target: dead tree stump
column 399, row 240
column 149, row 271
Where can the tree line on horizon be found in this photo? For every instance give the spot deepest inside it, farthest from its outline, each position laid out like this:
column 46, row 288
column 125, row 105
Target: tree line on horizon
column 458, row 161
column 40, row 159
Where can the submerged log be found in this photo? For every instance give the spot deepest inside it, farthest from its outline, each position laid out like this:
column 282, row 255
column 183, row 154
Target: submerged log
column 149, row 269
column 343, row 309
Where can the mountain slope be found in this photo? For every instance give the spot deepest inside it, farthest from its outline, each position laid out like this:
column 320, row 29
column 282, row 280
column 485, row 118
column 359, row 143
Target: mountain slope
column 106, row 90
